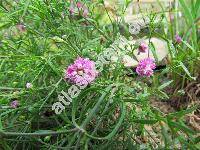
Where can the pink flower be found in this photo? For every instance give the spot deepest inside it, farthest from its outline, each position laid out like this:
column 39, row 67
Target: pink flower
column 14, row 104
column 178, row 39
column 82, row 72
column 79, row 5
column 29, row 85
column 82, row 9
column 71, row 10
column 21, row 27
column 143, row 48
column 85, row 12
column 145, row 67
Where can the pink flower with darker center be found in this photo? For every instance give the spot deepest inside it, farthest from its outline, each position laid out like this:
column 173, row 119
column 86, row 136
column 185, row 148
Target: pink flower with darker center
column 178, row 39
column 146, row 67
column 143, row 48
column 82, row 71
column 14, row 104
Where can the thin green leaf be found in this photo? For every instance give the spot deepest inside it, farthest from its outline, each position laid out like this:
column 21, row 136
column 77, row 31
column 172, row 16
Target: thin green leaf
column 182, row 127
column 182, row 113
column 144, row 121
column 186, row 70
column 114, row 131
column 189, row 46
column 165, row 85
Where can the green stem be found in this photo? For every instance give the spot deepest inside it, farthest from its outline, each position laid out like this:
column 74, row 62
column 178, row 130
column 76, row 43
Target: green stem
column 91, row 114
column 52, row 133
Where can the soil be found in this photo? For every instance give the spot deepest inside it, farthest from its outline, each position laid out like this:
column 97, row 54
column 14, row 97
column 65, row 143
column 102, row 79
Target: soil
column 190, row 97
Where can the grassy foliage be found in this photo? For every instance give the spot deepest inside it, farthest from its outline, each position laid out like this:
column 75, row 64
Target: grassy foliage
column 114, row 112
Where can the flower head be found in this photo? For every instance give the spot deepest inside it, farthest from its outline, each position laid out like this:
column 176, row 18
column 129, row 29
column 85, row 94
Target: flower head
column 178, row 39
column 85, row 12
column 71, row 10
column 14, row 104
column 21, row 27
column 79, row 5
column 82, row 71
column 29, row 85
column 143, row 48
column 145, row 67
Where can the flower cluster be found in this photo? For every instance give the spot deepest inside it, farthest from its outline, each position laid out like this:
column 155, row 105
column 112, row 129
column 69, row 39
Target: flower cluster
column 14, row 104
column 78, row 7
column 82, row 72
column 143, row 48
column 145, row 67
column 178, row 39
column 21, row 28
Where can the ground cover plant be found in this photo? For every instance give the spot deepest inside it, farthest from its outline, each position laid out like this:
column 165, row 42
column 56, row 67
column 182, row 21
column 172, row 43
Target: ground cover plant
column 78, row 75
